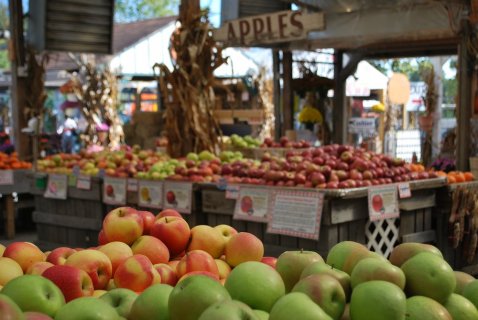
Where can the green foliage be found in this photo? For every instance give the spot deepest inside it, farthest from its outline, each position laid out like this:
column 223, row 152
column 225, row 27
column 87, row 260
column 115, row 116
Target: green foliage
column 135, row 10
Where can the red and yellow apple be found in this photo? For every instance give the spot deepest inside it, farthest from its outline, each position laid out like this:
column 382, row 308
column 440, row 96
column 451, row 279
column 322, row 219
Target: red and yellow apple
column 151, row 247
column 136, row 273
column 196, row 260
column 209, row 239
column 167, row 273
column 243, row 247
column 117, row 252
column 72, row 281
column 148, row 220
column 39, row 267
column 95, row 263
column 10, row 270
column 168, row 213
column 24, row 253
column 59, row 255
column 123, row 224
column 174, row 232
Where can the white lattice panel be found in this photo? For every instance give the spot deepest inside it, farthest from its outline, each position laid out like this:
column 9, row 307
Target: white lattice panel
column 382, row 236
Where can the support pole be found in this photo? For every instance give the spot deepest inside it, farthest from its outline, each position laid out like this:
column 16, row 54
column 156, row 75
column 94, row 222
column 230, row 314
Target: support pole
column 22, row 141
column 288, row 97
column 277, row 94
column 464, row 102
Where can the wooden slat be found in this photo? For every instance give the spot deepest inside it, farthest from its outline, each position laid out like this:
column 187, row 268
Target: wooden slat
column 407, row 224
column 255, row 228
column 421, row 199
column 427, row 219
column 419, row 217
column 343, row 232
column 67, row 221
column 422, row 237
column 345, row 210
column 214, row 201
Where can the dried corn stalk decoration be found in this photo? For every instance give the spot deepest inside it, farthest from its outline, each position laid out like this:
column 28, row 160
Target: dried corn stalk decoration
column 430, row 100
column 96, row 91
column 35, row 94
column 265, row 102
column 187, row 90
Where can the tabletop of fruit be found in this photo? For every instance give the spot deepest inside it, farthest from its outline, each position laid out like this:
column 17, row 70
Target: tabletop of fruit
column 150, row 266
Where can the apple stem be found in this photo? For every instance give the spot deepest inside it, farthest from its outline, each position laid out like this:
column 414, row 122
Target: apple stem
column 166, row 219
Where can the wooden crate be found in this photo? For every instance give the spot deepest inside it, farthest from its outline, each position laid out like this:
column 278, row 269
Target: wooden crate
column 74, row 222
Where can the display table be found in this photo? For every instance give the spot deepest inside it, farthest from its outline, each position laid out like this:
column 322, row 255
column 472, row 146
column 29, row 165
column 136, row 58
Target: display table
column 344, row 217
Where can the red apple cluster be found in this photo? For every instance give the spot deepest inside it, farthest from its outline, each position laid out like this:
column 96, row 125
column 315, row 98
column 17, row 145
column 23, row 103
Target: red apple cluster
column 284, row 142
column 198, row 171
column 328, row 167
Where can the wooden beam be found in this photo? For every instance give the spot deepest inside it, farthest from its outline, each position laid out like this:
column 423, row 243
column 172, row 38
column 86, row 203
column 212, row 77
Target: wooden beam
column 463, row 115
column 288, row 95
column 277, row 94
column 21, row 140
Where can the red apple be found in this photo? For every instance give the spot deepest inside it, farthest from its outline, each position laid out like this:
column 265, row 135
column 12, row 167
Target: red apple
column 123, row 224
column 174, row 232
column 96, row 264
column 24, row 253
column 243, row 247
column 151, row 247
column 136, row 273
column 38, row 267
column 167, row 273
column 148, row 220
column 196, row 260
column 168, row 213
column 272, row 261
column 72, row 281
column 117, row 252
column 59, row 255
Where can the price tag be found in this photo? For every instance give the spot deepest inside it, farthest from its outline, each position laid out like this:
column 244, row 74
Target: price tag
column 150, row 194
column 83, row 182
column 296, row 213
column 72, row 179
column 383, row 202
column 6, row 177
column 178, row 196
column 132, row 185
column 232, row 192
column 404, row 190
column 114, row 191
column 56, row 187
column 252, row 204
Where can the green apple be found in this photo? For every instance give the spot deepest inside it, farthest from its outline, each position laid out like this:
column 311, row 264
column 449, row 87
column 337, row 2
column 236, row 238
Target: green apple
column 420, row 308
column 231, row 310
column 152, row 303
column 401, row 253
column 374, row 269
column 377, row 300
column 346, row 254
column 325, row 291
column 9, row 309
column 290, row 265
column 430, row 276
column 261, row 314
column 323, row 268
column 35, row 293
column 461, row 308
column 87, row 308
column 32, row 315
column 192, row 156
column 297, row 305
column 462, row 280
column 205, row 155
column 193, row 295
column 256, row 284
column 471, row 292
column 121, row 299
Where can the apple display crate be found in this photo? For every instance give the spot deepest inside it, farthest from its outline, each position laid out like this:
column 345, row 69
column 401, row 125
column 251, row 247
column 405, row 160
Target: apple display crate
column 456, row 256
column 344, row 217
column 74, row 222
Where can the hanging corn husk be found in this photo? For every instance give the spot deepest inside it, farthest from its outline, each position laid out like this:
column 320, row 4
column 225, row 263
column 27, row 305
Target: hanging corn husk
column 96, row 91
column 187, row 90
column 35, row 94
column 266, row 89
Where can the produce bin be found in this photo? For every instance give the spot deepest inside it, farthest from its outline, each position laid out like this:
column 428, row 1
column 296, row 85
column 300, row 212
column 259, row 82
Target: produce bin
column 74, row 222
column 457, row 252
column 344, row 217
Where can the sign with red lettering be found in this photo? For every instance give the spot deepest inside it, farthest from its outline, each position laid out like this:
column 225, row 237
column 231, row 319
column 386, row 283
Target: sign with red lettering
column 273, row 27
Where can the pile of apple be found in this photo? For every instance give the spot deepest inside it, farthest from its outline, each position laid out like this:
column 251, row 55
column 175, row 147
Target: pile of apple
column 156, row 267
column 331, row 167
column 284, row 142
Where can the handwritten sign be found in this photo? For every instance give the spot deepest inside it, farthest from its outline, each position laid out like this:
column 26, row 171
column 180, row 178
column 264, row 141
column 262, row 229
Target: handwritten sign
column 57, row 186
column 252, row 204
column 273, row 27
column 132, row 185
column 6, row 177
column 114, row 191
column 296, row 213
column 150, row 194
column 83, row 182
column 232, row 192
column 404, row 190
column 383, row 202
column 178, row 196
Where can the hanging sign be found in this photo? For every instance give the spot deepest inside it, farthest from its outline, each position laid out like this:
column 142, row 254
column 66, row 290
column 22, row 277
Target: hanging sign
column 6, row 177
column 252, row 204
column 296, row 213
column 364, row 126
column 83, row 182
column 178, row 196
column 232, row 192
column 273, row 27
column 57, row 186
column 150, row 194
column 404, row 190
column 114, row 191
column 383, row 202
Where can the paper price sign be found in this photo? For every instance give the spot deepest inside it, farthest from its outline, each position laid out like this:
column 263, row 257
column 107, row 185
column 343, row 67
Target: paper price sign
column 404, row 190
column 83, row 182
column 296, row 213
column 178, row 196
column 232, row 192
column 132, row 185
column 114, row 191
column 383, row 202
column 150, row 194
column 252, row 204
column 56, row 187
column 6, row 177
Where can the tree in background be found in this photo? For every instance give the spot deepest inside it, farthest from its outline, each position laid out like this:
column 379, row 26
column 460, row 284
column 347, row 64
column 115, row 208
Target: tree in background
column 135, row 10
column 4, row 62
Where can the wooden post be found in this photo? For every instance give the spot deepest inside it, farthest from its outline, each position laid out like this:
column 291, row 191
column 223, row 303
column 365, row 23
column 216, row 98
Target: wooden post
column 288, row 95
column 463, row 115
column 21, row 140
column 277, row 94
column 9, row 217
column 186, row 7
column 339, row 112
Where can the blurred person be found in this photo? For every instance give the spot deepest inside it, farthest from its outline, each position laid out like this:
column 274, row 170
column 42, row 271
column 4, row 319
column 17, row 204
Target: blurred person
column 68, row 134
